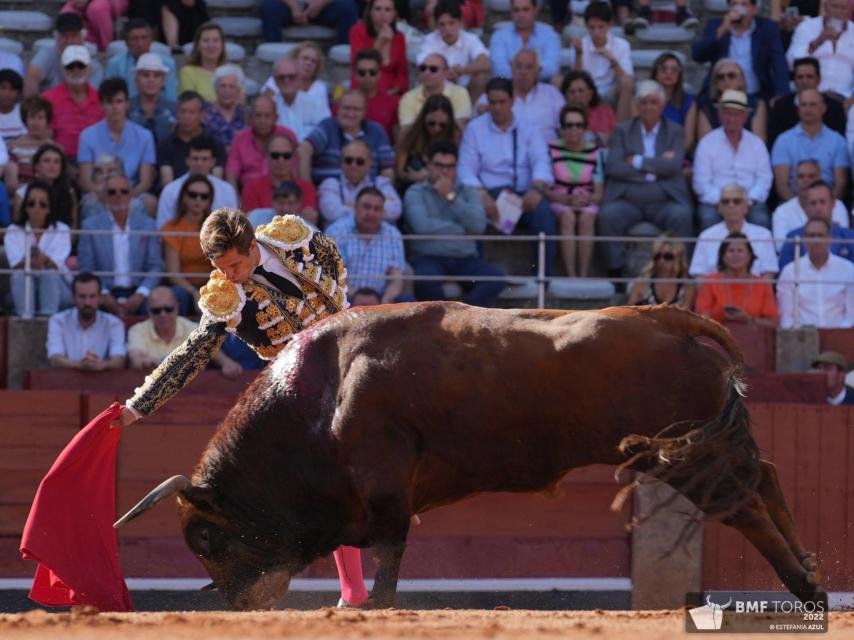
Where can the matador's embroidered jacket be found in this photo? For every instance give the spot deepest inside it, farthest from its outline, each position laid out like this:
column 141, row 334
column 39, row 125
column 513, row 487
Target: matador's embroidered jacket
column 262, row 316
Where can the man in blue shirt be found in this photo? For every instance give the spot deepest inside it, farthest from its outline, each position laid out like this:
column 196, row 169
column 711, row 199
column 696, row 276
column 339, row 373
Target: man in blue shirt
column 810, row 139
column 820, row 203
column 525, row 32
column 116, row 135
column 320, row 152
column 139, row 36
column 502, row 152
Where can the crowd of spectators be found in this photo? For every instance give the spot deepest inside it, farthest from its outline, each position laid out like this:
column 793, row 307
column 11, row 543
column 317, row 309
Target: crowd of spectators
column 487, row 139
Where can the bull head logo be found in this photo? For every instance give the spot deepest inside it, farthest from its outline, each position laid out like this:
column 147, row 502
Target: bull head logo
column 710, row 616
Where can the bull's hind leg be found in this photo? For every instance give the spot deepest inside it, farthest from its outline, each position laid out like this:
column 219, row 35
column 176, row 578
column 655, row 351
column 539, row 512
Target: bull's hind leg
column 757, row 525
column 775, row 503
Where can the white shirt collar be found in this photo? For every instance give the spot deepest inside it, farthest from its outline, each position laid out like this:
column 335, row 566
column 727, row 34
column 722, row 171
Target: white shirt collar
column 838, row 398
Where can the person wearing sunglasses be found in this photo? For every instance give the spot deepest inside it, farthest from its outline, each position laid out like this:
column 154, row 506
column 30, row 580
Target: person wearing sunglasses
column 377, row 31
column 753, row 41
column 150, row 341
column 381, row 106
column 260, row 193
column 48, row 241
column 75, row 102
column 579, row 182
column 727, row 75
column 133, row 261
column 733, row 206
column 338, row 196
column 182, row 254
column 432, row 73
column 658, row 281
column 201, row 161
column 726, row 297
column 297, row 110
column 732, row 155
column 434, row 122
column 45, row 69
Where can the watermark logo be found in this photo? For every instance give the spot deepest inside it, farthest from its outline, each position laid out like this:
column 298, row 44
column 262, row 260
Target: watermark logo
column 710, row 616
column 754, row 612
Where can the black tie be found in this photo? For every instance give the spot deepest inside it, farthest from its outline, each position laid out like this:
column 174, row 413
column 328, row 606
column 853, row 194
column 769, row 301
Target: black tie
column 282, row 284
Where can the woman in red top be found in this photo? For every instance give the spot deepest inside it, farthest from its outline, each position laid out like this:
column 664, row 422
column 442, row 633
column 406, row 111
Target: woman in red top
column 377, row 31
column 750, row 302
column 580, row 91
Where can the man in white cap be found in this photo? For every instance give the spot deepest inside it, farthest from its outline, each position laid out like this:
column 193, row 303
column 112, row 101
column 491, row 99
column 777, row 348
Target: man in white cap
column 150, row 107
column 732, row 155
column 45, row 71
column 75, row 103
column 139, row 37
column 834, row 366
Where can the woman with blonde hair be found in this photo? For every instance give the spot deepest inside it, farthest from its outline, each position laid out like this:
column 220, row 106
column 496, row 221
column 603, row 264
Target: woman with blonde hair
column 728, row 74
column 656, row 282
column 207, row 55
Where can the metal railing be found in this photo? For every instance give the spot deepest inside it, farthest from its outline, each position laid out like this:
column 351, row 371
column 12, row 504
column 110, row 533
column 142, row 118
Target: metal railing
column 539, row 278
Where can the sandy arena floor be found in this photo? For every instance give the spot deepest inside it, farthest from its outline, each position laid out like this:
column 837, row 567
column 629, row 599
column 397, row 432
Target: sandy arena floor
column 392, row 623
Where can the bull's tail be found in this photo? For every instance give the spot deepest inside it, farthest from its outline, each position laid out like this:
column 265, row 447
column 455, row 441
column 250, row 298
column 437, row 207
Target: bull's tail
column 714, row 463
column 692, row 325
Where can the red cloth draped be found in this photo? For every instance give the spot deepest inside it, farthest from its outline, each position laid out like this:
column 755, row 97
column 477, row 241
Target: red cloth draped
column 70, row 527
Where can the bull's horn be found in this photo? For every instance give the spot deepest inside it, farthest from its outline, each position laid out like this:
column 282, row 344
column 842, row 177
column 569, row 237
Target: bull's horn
column 209, row 587
column 165, row 489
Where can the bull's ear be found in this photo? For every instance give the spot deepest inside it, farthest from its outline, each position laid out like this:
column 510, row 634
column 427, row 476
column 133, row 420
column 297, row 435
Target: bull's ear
column 200, row 497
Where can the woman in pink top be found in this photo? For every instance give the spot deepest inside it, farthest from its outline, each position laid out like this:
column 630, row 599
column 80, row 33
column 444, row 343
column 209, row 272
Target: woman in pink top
column 377, row 31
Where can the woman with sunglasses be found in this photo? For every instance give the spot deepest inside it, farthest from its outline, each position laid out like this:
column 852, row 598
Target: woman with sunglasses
column 655, row 283
column 728, row 74
column 183, row 254
column 579, row 181
column 681, row 107
column 751, row 302
column 207, row 55
column 37, row 232
column 435, row 122
column 580, row 91
column 51, row 166
column 377, row 31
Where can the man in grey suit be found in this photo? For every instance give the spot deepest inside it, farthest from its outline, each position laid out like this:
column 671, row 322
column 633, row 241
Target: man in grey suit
column 644, row 180
column 125, row 254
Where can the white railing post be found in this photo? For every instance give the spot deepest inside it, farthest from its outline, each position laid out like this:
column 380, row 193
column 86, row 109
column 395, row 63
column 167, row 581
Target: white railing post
column 541, row 271
column 29, row 245
column 796, row 292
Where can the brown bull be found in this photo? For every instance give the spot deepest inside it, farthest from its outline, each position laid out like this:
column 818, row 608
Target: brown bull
column 380, row 413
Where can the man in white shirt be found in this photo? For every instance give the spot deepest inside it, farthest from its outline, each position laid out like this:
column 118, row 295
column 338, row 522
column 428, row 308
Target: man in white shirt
column 83, row 337
column 830, row 39
column 201, row 160
column 792, row 215
column 825, row 285
column 501, row 151
column 297, row 110
column 732, row 155
column 733, row 207
column 337, row 196
column 607, row 58
column 468, row 58
column 534, row 101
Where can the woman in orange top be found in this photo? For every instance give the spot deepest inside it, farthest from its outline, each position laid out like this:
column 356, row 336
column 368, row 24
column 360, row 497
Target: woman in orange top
column 183, row 254
column 377, row 31
column 751, row 302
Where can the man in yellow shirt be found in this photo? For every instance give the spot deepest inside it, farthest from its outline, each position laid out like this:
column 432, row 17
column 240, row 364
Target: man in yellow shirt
column 433, row 73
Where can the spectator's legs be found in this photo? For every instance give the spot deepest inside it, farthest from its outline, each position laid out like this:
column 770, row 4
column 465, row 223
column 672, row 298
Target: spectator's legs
column 586, row 227
column 674, row 217
column 708, row 215
column 482, row 294
column 566, row 220
column 758, row 214
column 429, row 266
column 48, row 292
column 342, row 14
column 170, row 26
column 558, row 10
column 542, row 220
column 16, row 282
column 99, row 18
column 275, row 14
column 614, row 219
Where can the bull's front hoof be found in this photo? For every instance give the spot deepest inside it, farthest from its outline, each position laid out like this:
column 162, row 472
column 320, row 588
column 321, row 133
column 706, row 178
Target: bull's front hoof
column 378, row 603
